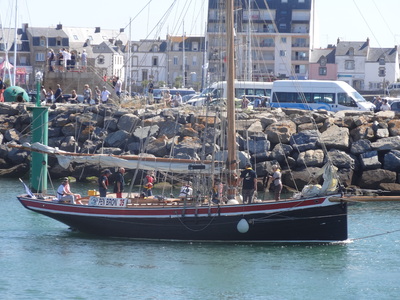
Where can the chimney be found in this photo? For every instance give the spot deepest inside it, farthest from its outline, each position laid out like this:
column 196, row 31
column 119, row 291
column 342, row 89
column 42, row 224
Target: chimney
column 121, row 30
column 97, row 30
column 338, row 41
column 368, row 41
column 59, row 26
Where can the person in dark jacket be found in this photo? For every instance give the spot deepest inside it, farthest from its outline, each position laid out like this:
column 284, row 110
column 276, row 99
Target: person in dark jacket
column 119, row 182
column 103, row 182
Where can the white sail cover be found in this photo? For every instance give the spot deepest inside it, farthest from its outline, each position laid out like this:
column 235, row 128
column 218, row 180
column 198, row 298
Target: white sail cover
column 134, row 162
column 330, row 184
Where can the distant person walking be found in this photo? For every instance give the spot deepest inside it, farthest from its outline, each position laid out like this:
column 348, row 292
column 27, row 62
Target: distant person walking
column 58, row 94
column 105, row 94
column 87, row 94
column 385, row 106
column 84, row 60
column 118, row 87
column 151, row 91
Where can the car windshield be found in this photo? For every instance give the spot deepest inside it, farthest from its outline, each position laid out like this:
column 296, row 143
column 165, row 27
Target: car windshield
column 357, row 97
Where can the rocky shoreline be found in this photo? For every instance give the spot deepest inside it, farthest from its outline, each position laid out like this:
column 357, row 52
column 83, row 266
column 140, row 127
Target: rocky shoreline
column 364, row 146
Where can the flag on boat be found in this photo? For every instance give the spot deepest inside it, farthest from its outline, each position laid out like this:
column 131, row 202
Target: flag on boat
column 28, row 190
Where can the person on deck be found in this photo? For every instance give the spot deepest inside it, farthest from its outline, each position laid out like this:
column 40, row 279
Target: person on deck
column 68, row 190
column 148, row 184
column 186, row 190
column 248, row 178
column 276, row 182
column 119, row 182
column 103, row 182
column 64, row 195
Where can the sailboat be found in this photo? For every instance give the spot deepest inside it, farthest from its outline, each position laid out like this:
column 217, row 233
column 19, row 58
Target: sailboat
column 310, row 216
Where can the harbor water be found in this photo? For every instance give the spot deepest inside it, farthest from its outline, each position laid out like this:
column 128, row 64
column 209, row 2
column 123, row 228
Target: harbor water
column 42, row 259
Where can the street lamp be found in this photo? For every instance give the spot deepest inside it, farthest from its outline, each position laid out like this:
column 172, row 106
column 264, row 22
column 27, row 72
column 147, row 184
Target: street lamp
column 38, row 76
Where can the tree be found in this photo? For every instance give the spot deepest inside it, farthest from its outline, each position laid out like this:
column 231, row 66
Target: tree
column 178, row 82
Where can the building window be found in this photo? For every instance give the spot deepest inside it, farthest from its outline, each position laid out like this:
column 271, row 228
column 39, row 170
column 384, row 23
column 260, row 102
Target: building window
column 194, row 61
column 382, row 61
column 349, row 64
column 282, row 53
column 323, row 61
column 43, row 41
column 351, row 51
column 145, row 75
column 175, row 47
column 175, row 60
column 135, row 61
column 322, row 71
column 39, row 56
column 283, row 40
column 100, row 59
column 195, row 46
column 155, row 61
column 300, row 69
column 155, row 48
column 134, row 48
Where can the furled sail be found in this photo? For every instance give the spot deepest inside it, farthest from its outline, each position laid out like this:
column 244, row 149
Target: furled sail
column 127, row 161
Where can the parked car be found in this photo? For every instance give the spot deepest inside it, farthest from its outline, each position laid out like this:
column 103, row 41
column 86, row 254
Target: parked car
column 186, row 98
column 395, row 105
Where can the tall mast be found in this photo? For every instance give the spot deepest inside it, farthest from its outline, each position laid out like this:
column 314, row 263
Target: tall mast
column 13, row 81
column 230, row 78
column 249, row 61
column 183, row 54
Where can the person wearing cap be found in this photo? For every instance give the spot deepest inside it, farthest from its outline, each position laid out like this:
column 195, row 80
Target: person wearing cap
column 63, row 195
column 148, row 183
column 105, row 94
column 248, row 179
column 186, row 190
column 103, row 182
column 119, row 182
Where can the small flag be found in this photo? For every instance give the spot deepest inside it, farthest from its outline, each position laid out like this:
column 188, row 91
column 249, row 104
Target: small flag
column 27, row 190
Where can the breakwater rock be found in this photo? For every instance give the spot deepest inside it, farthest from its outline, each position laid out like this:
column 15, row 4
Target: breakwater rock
column 364, row 146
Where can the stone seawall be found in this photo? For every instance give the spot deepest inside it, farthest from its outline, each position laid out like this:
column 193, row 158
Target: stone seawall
column 364, row 146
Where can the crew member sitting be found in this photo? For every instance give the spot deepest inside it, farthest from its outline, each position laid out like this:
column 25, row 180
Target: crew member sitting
column 63, row 195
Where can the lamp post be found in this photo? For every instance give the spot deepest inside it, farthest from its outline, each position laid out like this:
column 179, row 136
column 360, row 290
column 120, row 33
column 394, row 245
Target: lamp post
column 38, row 76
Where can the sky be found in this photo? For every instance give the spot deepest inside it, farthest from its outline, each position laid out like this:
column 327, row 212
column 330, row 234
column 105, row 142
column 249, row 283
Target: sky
column 349, row 20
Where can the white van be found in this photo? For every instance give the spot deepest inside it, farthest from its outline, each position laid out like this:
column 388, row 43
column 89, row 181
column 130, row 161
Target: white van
column 318, row 94
column 394, row 89
column 218, row 90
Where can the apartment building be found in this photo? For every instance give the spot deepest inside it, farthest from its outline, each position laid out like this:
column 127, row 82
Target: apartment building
column 273, row 39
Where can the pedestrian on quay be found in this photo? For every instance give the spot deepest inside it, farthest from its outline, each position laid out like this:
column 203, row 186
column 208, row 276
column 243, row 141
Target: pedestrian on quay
column 87, row 95
column 105, row 94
